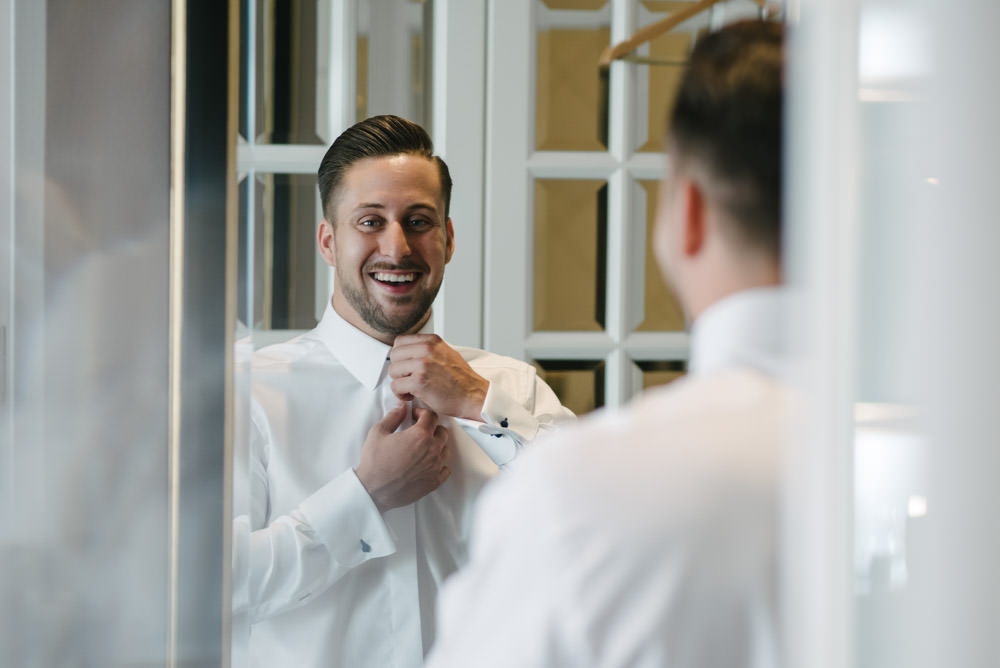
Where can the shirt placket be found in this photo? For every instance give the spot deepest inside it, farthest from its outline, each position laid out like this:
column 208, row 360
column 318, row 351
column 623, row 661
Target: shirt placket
column 401, row 573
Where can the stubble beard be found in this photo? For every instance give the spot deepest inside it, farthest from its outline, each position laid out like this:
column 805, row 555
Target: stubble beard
column 375, row 316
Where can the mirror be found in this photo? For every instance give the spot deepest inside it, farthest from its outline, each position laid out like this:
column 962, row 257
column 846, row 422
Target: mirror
column 308, row 70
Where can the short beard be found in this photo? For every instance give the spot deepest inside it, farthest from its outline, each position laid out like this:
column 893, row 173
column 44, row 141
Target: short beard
column 373, row 315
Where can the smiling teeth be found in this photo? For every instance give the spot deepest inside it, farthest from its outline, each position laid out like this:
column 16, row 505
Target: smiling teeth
column 393, row 278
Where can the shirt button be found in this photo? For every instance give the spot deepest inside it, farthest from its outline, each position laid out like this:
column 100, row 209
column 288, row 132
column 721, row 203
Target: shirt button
column 365, row 547
column 503, row 423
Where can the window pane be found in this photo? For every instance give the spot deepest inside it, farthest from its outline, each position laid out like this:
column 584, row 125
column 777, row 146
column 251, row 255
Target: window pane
column 579, row 384
column 661, row 312
column 570, row 254
column 285, row 251
column 570, row 99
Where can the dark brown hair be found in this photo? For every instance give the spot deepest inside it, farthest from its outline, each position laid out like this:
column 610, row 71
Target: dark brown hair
column 728, row 115
column 371, row 138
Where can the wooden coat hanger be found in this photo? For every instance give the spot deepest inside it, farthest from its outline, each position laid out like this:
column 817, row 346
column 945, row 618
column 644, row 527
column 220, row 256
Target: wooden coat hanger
column 654, row 30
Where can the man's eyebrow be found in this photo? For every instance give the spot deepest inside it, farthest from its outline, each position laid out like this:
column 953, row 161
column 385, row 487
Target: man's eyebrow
column 419, row 205
column 413, row 207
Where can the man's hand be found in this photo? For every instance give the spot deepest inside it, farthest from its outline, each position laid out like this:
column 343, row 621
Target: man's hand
column 397, row 468
column 424, row 367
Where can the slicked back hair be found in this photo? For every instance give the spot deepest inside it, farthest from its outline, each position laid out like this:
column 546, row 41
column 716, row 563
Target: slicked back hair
column 375, row 137
column 728, row 116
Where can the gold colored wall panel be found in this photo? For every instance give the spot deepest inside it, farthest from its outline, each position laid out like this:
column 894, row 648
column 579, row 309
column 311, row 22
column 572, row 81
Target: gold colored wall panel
column 568, row 112
column 570, row 232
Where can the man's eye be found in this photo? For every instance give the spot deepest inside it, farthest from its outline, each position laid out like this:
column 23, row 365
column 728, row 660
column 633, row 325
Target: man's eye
column 369, row 222
column 419, row 223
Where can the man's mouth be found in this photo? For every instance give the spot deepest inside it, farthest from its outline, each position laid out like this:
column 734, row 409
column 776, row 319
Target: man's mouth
column 395, row 278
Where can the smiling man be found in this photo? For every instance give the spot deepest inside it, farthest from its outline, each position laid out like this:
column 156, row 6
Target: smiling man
column 371, row 436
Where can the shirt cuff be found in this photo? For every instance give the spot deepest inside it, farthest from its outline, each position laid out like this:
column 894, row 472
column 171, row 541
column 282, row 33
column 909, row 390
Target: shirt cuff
column 508, row 426
column 344, row 517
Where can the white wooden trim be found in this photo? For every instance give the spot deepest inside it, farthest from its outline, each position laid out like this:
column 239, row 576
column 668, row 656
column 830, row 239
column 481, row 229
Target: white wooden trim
column 509, row 211
column 459, row 126
column 647, row 166
column 821, row 186
column 343, row 66
column 569, row 345
column 280, row 158
column 571, row 165
column 617, row 295
column 655, row 346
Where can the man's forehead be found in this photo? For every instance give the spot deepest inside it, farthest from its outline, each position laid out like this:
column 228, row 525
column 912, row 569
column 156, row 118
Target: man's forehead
column 412, row 181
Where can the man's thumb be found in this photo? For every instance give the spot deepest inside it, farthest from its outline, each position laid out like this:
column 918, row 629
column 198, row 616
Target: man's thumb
column 393, row 419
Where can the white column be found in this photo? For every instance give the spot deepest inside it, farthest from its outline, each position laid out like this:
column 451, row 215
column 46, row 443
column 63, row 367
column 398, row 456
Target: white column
column 459, row 127
column 821, row 224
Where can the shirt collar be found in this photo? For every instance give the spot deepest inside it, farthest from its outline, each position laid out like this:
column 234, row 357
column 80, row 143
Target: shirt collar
column 747, row 328
column 364, row 357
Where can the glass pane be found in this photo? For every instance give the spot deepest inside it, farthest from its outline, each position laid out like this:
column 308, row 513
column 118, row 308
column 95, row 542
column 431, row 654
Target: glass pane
column 570, row 255
column 393, row 60
column 571, row 102
column 661, row 372
column 290, row 88
column 287, row 211
column 661, row 312
column 659, row 68
column 579, row 384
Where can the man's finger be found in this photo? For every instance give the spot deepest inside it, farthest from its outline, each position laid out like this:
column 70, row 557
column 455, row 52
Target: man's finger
column 393, row 419
column 402, row 387
column 409, row 339
column 401, row 368
column 425, row 417
column 413, row 346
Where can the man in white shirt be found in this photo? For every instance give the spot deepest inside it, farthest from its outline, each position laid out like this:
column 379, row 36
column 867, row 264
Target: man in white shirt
column 647, row 537
column 370, row 436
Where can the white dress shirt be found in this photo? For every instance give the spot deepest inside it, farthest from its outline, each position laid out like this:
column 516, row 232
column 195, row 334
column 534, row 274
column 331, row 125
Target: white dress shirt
column 643, row 537
column 325, row 578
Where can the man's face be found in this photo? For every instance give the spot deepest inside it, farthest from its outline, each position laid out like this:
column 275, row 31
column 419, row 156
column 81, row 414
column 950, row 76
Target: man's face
column 389, row 244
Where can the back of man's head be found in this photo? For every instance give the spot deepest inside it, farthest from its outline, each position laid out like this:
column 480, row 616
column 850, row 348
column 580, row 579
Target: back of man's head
column 728, row 118
column 376, row 137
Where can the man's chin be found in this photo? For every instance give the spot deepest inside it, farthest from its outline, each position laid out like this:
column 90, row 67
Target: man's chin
column 396, row 323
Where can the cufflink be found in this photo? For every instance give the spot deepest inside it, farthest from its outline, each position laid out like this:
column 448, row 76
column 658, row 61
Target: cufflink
column 503, row 423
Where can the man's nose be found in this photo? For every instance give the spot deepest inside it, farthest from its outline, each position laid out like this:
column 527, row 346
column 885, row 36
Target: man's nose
column 393, row 241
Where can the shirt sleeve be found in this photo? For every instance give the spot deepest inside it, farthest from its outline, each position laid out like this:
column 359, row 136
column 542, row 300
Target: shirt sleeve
column 518, row 409
column 281, row 563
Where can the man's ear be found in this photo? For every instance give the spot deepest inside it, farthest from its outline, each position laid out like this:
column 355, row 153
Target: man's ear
column 450, row 243
column 694, row 222
column 326, row 243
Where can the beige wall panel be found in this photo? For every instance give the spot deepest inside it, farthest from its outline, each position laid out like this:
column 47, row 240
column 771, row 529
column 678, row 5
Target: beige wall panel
column 568, row 286
column 578, row 384
column 664, row 78
column 568, row 91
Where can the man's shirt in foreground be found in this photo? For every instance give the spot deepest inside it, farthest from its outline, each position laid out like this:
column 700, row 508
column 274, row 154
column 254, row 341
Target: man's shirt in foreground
column 326, row 579
column 644, row 537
